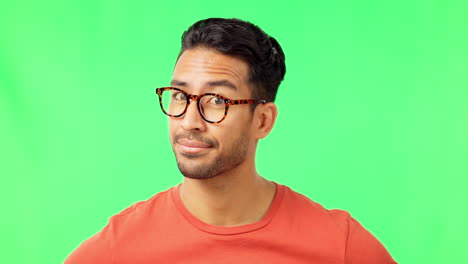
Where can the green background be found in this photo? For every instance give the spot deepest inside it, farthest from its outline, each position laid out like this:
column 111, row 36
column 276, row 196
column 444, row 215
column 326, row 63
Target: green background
column 372, row 116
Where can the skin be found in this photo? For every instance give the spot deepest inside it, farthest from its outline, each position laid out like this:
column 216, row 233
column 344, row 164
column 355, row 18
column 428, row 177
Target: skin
column 221, row 185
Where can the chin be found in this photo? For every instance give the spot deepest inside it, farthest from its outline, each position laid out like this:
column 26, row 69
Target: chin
column 196, row 172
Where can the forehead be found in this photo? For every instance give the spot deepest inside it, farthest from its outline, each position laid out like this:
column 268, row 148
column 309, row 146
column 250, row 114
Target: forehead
column 197, row 68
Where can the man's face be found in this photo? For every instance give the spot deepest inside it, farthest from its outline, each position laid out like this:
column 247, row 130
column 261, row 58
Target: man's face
column 204, row 150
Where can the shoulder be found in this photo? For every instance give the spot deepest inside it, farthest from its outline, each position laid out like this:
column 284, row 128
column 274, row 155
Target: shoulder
column 312, row 209
column 145, row 207
column 98, row 248
column 360, row 245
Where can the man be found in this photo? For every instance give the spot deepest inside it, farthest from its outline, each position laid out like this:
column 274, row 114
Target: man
column 220, row 103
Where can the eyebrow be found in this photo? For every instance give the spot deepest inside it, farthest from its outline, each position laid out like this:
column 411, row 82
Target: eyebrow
column 224, row 83
column 178, row 83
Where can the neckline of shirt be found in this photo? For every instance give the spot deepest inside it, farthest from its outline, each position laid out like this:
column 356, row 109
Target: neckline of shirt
column 231, row 230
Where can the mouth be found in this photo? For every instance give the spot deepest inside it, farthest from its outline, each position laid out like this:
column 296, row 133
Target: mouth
column 192, row 146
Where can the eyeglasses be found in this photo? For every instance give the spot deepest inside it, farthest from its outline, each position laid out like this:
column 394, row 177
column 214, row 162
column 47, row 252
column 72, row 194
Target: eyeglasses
column 213, row 107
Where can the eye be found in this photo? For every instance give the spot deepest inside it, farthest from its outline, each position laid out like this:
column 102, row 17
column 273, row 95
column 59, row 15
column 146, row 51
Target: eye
column 216, row 100
column 179, row 96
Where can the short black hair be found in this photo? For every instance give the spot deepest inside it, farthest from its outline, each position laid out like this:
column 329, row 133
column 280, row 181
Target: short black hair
column 246, row 41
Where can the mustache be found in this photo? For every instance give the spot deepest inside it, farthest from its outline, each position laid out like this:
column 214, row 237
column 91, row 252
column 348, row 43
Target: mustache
column 197, row 137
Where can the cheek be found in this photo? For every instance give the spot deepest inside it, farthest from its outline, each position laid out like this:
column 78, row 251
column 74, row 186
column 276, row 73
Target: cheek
column 172, row 129
column 228, row 139
column 237, row 118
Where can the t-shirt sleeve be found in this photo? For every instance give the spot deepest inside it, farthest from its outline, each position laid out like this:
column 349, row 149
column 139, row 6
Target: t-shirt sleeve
column 95, row 250
column 363, row 248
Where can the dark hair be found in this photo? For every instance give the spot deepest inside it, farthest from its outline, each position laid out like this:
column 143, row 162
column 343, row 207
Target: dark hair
column 247, row 41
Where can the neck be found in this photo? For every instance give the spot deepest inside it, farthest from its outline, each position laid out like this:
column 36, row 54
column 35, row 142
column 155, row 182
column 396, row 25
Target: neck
column 237, row 197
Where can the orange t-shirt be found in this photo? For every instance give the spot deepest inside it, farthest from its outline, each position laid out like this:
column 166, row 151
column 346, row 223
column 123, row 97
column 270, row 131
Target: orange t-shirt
column 294, row 230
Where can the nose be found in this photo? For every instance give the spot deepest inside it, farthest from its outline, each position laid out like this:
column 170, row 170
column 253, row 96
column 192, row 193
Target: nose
column 192, row 119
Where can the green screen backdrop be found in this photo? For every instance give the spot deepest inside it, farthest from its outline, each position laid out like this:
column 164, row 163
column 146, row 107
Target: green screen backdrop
column 372, row 116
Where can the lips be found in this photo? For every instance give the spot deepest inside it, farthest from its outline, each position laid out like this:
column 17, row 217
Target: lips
column 192, row 146
column 193, row 143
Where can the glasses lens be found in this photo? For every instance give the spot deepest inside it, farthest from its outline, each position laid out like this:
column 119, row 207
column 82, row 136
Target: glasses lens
column 173, row 102
column 212, row 108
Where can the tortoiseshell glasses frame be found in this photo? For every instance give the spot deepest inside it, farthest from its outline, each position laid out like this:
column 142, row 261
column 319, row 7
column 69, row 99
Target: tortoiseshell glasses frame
column 188, row 97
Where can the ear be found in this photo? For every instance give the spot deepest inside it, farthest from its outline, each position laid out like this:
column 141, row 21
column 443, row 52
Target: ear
column 264, row 119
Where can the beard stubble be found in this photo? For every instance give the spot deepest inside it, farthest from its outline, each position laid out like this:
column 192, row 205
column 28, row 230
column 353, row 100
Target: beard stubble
column 235, row 155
